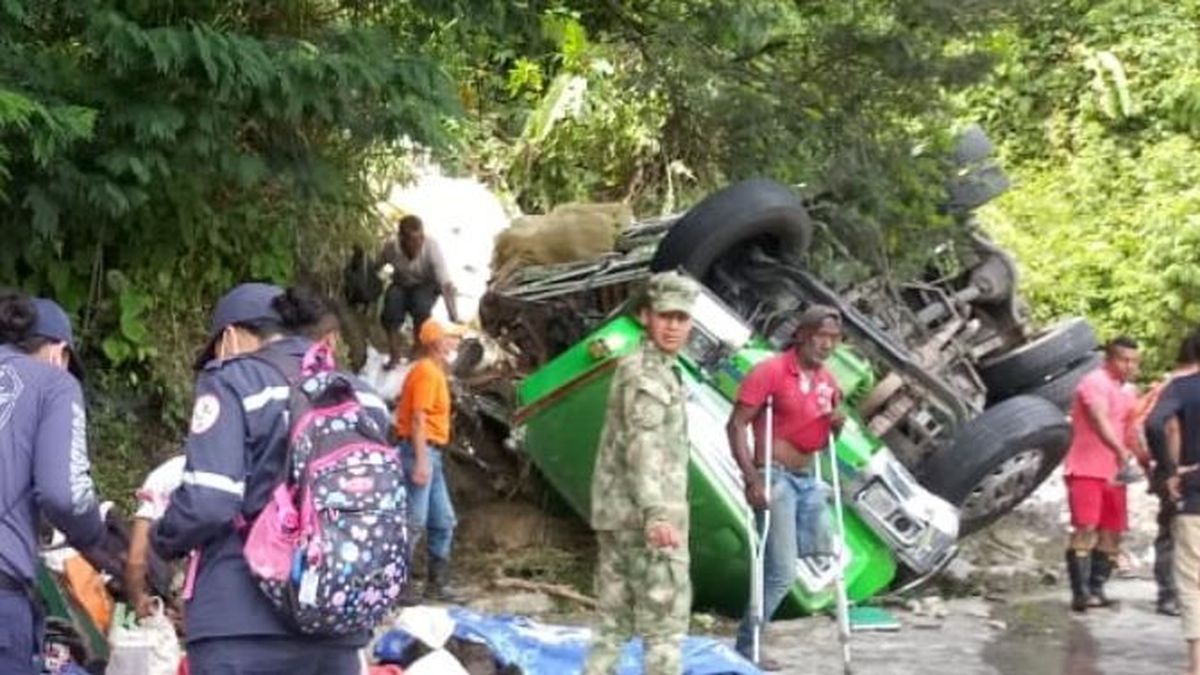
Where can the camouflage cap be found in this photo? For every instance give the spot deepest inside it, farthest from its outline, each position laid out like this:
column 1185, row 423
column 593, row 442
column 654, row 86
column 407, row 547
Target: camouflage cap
column 671, row 292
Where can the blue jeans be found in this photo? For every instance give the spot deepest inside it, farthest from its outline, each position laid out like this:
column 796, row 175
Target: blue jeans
column 798, row 528
column 429, row 505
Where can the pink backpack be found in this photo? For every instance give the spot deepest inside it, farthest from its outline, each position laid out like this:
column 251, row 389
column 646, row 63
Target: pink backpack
column 330, row 548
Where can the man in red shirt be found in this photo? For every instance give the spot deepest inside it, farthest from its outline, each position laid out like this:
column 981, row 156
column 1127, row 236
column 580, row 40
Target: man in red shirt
column 1100, row 418
column 806, row 397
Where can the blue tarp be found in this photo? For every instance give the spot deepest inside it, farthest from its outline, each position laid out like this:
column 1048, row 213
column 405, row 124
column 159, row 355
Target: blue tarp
column 537, row 648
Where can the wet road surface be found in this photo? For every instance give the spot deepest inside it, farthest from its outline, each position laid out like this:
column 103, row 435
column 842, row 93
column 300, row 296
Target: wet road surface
column 1030, row 635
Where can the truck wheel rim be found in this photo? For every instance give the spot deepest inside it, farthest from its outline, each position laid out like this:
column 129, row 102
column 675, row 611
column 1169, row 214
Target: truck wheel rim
column 1005, row 486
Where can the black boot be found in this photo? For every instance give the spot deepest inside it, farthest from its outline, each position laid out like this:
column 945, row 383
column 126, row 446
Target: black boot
column 1102, row 566
column 1078, row 568
column 411, row 596
column 437, row 587
column 1164, row 560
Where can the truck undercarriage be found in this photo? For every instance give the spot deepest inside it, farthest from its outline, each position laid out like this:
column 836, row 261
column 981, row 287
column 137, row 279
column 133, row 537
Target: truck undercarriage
column 966, row 395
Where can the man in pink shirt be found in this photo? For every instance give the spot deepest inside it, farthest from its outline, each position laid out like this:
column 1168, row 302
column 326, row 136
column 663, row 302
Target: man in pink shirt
column 806, row 397
column 1100, row 419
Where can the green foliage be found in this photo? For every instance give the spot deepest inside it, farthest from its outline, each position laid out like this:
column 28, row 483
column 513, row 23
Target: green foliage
column 1097, row 112
column 661, row 102
column 154, row 154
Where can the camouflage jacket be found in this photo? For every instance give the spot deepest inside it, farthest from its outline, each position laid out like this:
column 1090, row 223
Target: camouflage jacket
column 641, row 467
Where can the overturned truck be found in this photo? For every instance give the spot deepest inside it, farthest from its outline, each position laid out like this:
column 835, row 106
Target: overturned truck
column 955, row 405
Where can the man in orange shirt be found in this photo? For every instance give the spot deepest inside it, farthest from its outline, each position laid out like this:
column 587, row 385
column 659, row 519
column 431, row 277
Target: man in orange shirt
column 423, row 427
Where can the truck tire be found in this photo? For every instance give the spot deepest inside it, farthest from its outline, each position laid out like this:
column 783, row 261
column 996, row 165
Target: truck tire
column 1061, row 390
column 1039, row 359
column 997, row 459
column 751, row 209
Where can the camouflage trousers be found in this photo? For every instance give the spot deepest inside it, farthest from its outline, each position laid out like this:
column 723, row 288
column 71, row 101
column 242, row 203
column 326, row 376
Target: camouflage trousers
column 641, row 592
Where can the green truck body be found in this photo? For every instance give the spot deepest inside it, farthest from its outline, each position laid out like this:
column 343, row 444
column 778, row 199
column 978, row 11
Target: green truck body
column 561, row 412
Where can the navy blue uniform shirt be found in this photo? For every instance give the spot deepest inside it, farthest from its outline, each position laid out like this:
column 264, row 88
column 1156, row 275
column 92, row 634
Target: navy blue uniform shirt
column 44, row 467
column 235, row 452
column 1180, row 400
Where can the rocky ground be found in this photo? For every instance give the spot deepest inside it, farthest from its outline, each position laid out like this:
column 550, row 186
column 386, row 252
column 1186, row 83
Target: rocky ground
column 1000, row 609
column 1025, row 634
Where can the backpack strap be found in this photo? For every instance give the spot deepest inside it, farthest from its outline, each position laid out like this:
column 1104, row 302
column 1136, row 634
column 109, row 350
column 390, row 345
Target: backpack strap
column 318, row 359
column 283, row 364
column 287, row 368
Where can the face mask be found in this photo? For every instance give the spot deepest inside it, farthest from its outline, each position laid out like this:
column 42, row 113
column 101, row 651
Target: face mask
column 451, row 356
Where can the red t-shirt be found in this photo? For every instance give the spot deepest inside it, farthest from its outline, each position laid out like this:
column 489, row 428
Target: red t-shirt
column 1089, row 456
column 804, row 401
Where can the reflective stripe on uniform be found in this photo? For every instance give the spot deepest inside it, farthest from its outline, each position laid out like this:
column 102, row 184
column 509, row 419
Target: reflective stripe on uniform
column 214, row 481
column 258, row 401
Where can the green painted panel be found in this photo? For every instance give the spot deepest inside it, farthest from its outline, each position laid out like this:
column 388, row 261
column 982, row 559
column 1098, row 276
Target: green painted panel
column 562, row 413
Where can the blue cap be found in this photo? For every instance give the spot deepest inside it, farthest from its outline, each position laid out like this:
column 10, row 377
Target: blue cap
column 246, row 303
column 52, row 322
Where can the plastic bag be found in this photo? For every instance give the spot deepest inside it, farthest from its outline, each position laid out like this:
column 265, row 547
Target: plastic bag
column 142, row 647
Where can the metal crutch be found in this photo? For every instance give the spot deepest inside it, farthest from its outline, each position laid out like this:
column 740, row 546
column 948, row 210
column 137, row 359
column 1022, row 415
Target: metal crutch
column 843, row 603
column 759, row 549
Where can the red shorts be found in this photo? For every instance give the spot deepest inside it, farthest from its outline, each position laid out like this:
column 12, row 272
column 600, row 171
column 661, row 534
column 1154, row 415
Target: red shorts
column 1097, row 504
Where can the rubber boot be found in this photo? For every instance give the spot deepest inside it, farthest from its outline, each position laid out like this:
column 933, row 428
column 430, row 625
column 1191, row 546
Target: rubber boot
column 1078, row 569
column 437, row 587
column 412, row 596
column 1164, row 560
column 1102, row 566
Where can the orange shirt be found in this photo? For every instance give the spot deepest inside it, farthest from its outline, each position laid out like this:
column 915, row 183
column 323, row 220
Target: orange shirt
column 1143, row 408
column 425, row 389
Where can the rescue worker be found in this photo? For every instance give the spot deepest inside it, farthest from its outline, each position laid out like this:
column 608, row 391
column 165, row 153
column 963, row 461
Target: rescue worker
column 236, row 455
column 44, row 467
column 423, row 421
column 806, row 396
column 639, row 492
column 1100, row 417
column 418, row 276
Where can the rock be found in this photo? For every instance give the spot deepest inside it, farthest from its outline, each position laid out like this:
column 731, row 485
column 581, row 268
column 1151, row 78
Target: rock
column 998, row 625
column 959, row 569
column 931, row 606
column 936, row 607
column 978, row 612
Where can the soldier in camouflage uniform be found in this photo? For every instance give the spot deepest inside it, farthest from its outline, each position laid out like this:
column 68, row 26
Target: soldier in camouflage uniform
column 639, row 492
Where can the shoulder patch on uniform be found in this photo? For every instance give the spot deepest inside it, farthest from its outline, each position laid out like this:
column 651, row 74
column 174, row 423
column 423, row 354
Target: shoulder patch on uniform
column 11, row 387
column 205, row 413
